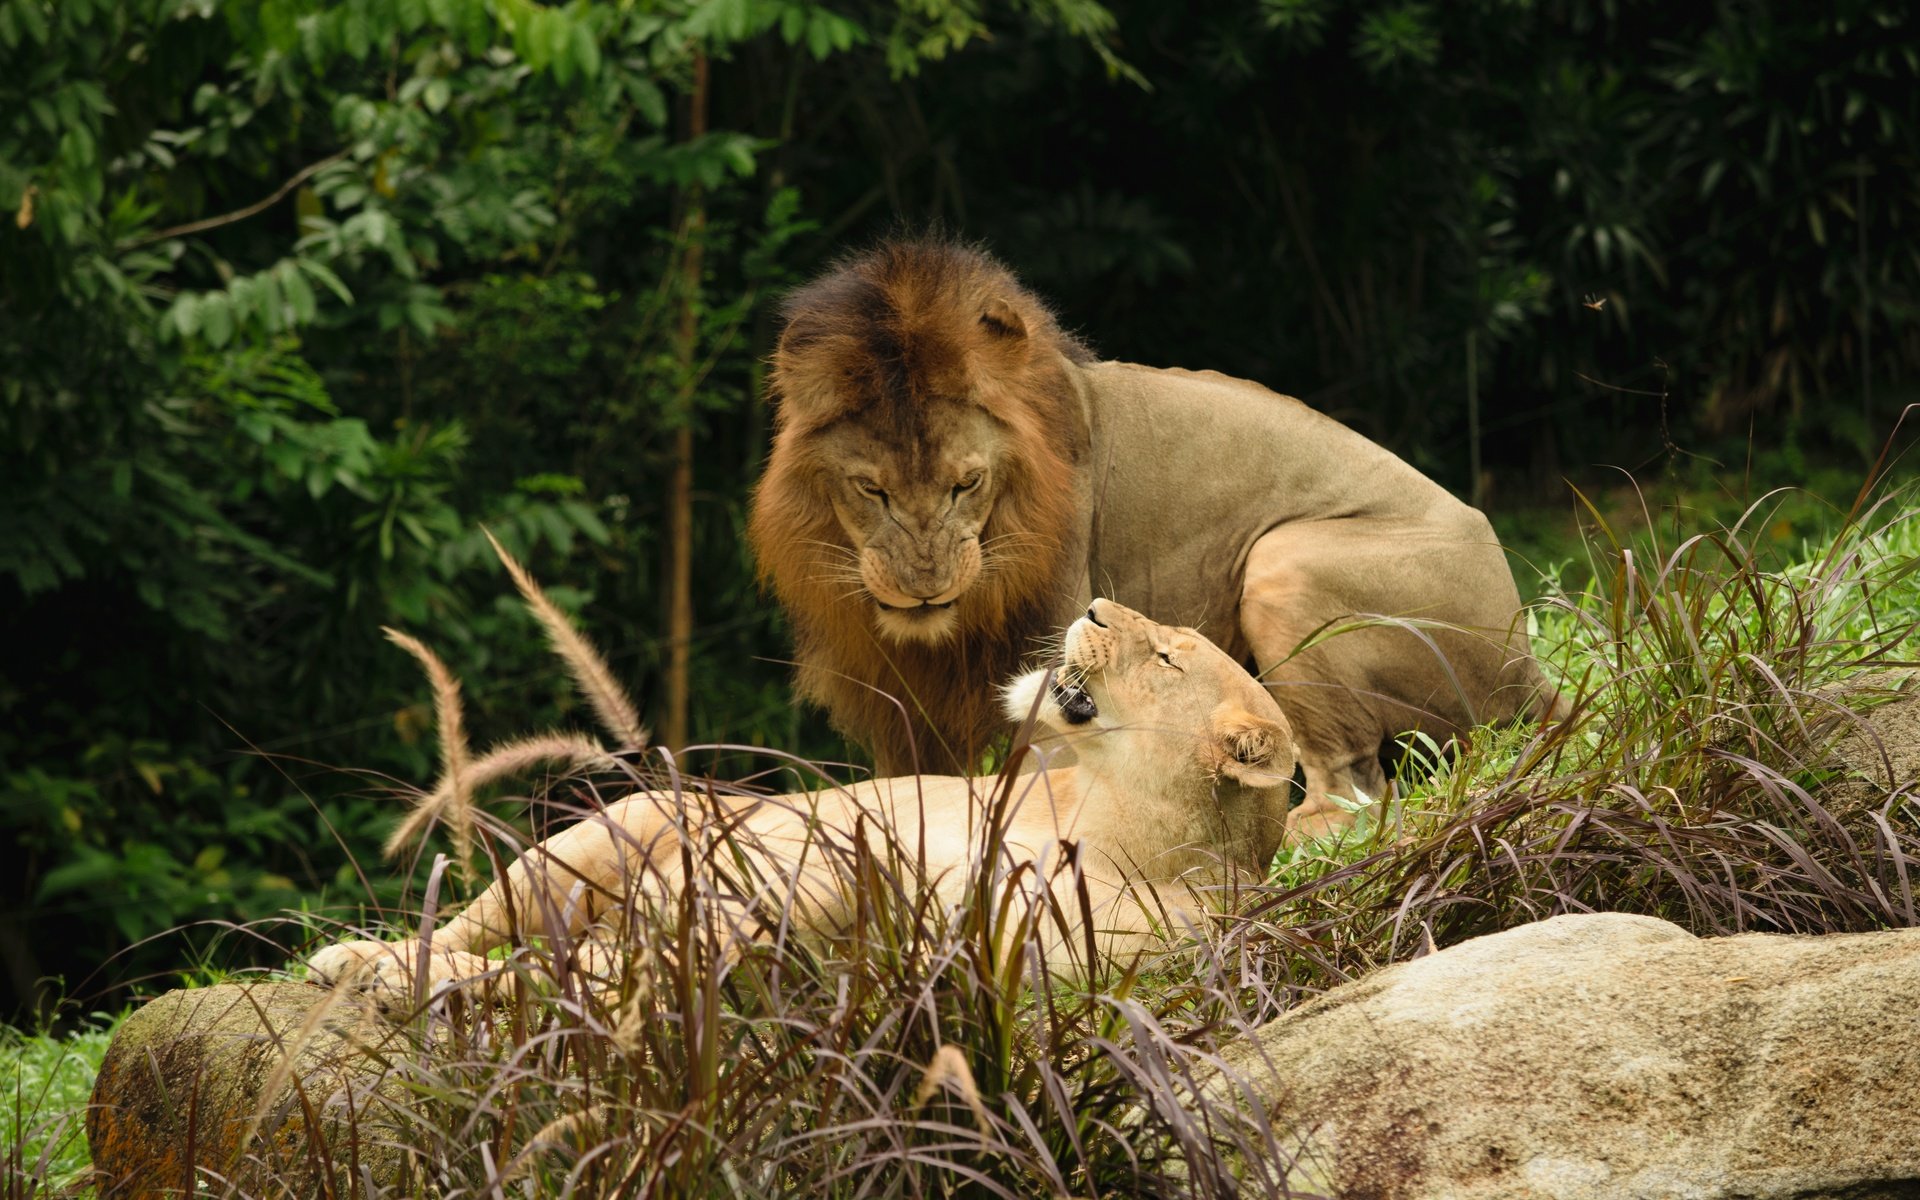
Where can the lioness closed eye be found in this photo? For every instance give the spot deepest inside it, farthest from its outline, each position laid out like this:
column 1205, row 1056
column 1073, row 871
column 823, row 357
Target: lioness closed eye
column 1181, row 777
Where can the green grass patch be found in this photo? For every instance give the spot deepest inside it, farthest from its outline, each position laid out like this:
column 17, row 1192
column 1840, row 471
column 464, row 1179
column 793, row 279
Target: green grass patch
column 49, row 1080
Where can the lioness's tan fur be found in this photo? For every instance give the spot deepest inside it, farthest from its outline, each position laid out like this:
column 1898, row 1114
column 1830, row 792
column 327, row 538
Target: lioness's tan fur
column 952, row 476
column 1180, row 779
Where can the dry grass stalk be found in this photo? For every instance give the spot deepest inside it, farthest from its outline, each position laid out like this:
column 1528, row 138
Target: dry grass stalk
column 948, row 1068
column 609, row 701
column 571, row 750
column 573, row 1131
column 451, row 800
column 630, row 1026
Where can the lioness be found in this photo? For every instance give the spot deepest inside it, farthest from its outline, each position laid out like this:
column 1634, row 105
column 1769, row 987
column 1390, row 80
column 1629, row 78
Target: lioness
column 1181, row 776
column 952, row 476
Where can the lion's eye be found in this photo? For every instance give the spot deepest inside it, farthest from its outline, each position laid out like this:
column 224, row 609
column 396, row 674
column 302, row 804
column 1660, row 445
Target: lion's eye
column 1166, row 658
column 968, row 484
column 870, row 489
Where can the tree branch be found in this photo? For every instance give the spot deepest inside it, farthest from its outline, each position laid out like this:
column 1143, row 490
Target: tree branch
column 238, row 214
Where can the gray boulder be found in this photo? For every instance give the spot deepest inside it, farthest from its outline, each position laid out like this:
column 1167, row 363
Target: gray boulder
column 1601, row 1056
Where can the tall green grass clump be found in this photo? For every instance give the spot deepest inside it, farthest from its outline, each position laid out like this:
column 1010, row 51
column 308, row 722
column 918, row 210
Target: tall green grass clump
column 1741, row 756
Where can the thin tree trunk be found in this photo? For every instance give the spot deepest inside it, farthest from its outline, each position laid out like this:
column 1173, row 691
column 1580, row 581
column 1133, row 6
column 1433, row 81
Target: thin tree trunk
column 680, row 498
column 1866, row 298
column 1475, row 496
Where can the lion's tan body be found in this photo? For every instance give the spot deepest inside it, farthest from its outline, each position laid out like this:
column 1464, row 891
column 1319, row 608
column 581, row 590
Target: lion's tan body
column 1306, row 528
column 1180, row 781
column 1194, row 497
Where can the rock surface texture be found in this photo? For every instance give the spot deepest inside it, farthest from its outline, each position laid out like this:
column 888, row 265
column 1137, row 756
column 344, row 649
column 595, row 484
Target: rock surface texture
column 1604, row 1056
column 219, row 1085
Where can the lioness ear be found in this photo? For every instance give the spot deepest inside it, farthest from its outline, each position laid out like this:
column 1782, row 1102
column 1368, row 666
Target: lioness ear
column 1252, row 750
column 1003, row 319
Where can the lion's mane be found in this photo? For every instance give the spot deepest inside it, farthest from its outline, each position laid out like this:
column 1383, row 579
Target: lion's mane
column 879, row 340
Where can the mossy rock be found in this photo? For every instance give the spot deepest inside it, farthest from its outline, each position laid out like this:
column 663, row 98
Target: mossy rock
column 261, row 1089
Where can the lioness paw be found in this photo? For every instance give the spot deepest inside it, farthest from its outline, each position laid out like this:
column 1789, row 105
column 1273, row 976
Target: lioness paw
column 386, row 970
column 344, row 962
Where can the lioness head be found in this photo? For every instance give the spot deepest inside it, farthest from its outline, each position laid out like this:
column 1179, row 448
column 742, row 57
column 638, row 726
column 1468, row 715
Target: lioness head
column 1162, row 708
column 923, row 427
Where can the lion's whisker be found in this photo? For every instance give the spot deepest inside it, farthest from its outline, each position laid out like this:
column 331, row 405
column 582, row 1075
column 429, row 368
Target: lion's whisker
column 1002, row 562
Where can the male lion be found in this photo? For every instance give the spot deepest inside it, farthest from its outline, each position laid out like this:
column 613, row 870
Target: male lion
column 1182, row 765
column 952, row 475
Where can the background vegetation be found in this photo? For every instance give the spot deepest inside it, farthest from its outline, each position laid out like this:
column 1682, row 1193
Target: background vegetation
column 296, row 294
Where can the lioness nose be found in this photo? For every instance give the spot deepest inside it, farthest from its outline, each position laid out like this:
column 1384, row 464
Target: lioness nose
column 1093, row 614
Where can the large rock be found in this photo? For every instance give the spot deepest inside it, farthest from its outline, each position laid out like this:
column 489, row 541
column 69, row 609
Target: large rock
column 1877, row 755
column 229, row 1084
column 1604, row 1056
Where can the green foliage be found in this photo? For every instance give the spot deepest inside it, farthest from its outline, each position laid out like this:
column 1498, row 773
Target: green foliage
column 1402, row 35
column 48, row 1079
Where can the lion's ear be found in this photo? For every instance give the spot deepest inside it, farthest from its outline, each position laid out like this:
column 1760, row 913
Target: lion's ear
column 1003, row 319
column 1252, row 750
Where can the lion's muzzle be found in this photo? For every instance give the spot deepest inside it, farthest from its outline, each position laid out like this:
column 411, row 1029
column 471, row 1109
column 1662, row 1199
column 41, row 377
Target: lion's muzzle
column 915, row 599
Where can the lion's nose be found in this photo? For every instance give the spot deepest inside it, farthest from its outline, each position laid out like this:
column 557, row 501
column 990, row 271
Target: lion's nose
column 1093, row 614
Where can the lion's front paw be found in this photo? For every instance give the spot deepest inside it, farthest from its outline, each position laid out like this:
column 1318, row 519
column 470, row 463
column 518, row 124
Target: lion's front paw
column 345, row 962
column 386, row 970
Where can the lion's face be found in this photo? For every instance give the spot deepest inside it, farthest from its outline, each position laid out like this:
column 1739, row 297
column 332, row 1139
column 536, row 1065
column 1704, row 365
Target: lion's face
column 923, row 477
column 913, row 515
column 1120, row 671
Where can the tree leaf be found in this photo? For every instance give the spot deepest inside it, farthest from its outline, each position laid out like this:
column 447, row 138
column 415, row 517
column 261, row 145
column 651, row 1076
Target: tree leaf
column 298, row 291
column 216, row 319
column 184, row 315
column 586, row 49
column 32, row 20
column 648, row 100
column 327, row 278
